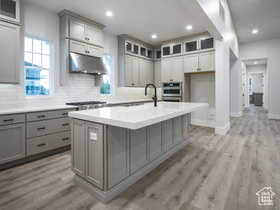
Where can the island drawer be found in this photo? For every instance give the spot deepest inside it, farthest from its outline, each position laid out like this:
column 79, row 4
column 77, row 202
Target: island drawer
column 46, row 127
column 37, row 116
column 12, row 119
column 44, row 143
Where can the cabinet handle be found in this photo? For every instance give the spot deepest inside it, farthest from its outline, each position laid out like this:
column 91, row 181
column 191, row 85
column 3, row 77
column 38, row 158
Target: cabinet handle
column 132, row 84
column 87, row 51
column 65, row 139
column 41, row 145
column 65, row 124
column 41, row 128
column 9, row 120
column 65, row 114
column 87, row 39
column 41, row 116
column 171, row 80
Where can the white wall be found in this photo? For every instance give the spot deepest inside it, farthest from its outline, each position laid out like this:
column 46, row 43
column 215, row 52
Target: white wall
column 227, row 41
column 235, row 87
column 44, row 24
column 267, row 49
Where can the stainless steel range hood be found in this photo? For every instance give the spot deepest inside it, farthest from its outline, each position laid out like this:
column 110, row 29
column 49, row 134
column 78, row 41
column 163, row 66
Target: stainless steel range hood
column 86, row 64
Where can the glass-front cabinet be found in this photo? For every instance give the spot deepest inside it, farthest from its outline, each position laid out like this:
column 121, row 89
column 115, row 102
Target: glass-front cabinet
column 191, row 46
column 10, row 11
column 207, row 43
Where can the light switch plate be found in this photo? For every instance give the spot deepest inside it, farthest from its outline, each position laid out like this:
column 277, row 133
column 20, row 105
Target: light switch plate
column 93, row 136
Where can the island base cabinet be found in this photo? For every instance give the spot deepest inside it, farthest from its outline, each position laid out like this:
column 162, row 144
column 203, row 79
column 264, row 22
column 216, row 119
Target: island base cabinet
column 108, row 159
column 12, row 142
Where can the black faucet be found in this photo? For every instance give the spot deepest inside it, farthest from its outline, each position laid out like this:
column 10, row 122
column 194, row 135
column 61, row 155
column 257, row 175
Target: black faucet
column 155, row 96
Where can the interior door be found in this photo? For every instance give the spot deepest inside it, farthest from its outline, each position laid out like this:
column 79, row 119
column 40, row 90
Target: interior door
column 191, row 63
column 207, row 61
column 77, row 30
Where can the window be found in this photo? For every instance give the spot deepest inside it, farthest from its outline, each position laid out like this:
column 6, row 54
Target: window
column 106, row 79
column 37, row 66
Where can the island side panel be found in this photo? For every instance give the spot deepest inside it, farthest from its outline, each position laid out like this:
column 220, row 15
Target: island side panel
column 94, row 154
column 156, row 147
column 117, row 155
column 138, row 149
column 78, row 147
column 178, row 126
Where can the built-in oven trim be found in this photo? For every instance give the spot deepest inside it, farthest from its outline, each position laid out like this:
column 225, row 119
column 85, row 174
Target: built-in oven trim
column 172, row 99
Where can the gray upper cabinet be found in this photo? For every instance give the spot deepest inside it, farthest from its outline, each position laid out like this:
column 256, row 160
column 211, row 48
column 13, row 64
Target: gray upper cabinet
column 12, row 142
column 94, row 154
column 9, row 59
column 157, row 74
column 191, row 63
column 77, row 30
column 85, row 32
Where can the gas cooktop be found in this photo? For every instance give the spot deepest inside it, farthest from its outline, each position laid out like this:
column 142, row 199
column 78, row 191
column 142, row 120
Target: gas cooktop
column 85, row 103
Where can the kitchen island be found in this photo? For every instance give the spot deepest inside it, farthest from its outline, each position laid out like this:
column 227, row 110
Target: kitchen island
column 113, row 147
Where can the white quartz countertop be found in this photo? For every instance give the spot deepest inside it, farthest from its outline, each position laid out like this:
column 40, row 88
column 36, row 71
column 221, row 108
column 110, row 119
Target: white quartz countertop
column 15, row 109
column 135, row 117
column 124, row 101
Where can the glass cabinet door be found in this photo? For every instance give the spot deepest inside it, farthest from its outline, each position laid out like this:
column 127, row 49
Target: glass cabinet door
column 128, row 47
column 207, row 43
column 191, row 46
column 177, row 49
column 143, row 51
column 150, row 54
column 166, row 51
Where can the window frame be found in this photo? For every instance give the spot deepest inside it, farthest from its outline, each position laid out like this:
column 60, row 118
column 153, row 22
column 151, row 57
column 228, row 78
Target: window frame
column 50, row 70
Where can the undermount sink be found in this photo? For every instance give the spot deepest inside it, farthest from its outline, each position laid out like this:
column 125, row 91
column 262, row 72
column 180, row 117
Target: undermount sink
column 132, row 104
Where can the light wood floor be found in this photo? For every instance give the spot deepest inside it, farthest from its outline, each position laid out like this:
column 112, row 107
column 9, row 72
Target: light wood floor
column 212, row 172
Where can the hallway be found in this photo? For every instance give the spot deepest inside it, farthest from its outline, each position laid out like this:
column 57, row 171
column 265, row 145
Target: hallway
column 211, row 172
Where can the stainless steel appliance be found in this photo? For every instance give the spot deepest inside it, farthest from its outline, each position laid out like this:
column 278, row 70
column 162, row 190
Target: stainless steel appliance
column 172, row 91
column 87, row 64
column 87, row 104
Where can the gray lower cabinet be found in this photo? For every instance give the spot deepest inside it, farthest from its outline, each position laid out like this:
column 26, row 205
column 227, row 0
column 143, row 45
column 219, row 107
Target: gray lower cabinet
column 12, row 142
column 94, row 154
column 138, row 149
column 167, row 130
column 118, row 155
column 44, row 143
column 177, row 130
column 78, row 147
column 155, row 140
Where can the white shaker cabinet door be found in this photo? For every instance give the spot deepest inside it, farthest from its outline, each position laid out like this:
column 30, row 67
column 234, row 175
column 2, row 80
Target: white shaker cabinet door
column 128, row 71
column 9, row 58
column 191, row 63
column 94, row 35
column 166, row 66
column 157, row 73
column 207, row 61
column 176, row 69
column 77, row 30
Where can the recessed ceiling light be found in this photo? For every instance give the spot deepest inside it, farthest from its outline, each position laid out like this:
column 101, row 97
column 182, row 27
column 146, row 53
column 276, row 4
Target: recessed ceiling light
column 256, row 62
column 109, row 13
column 189, row 27
column 154, row 36
column 255, row 31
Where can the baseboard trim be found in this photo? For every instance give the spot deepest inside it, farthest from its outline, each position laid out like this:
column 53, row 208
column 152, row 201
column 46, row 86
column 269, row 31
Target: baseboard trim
column 273, row 116
column 222, row 130
column 203, row 123
column 236, row 114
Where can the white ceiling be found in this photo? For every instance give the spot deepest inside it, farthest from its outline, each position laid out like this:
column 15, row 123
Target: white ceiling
column 139, row 18
column 261, row 14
